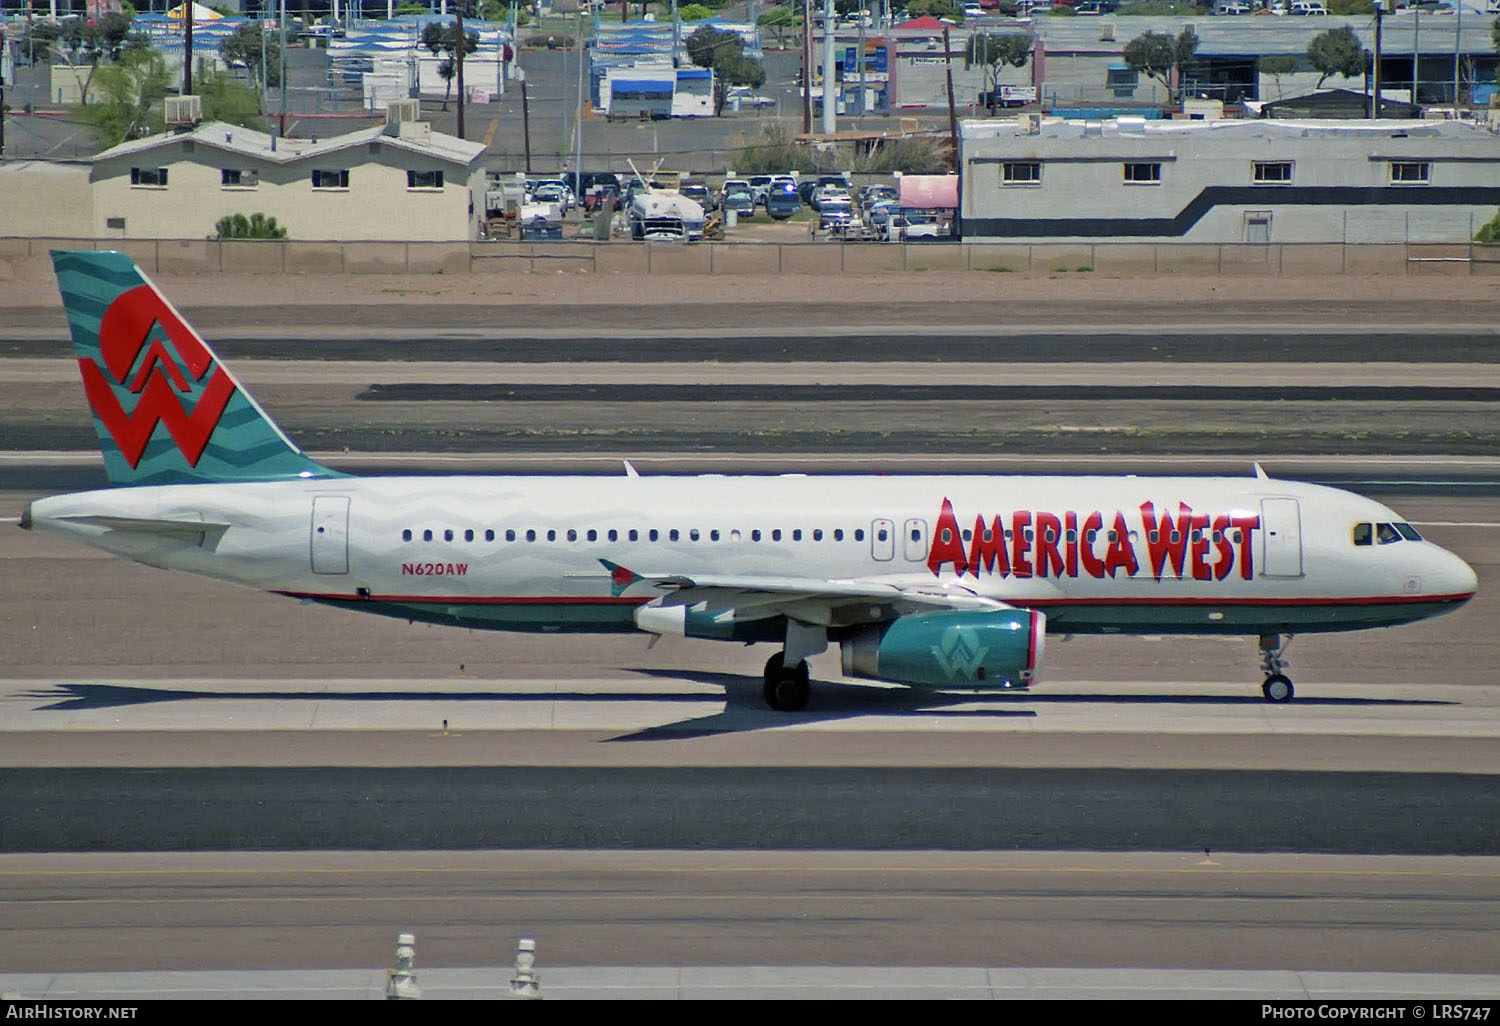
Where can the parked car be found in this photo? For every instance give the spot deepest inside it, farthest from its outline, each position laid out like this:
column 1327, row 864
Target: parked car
column 904, row 225
column 836, row 214
column 698, row 193
column 743, row 98
column 554, row 192
column 872, row 194
column 829, row 193
column 879, row 213
column 735, row 195
column 759, row 186
column 594, row 197
column 805, row 191
column 782, row 201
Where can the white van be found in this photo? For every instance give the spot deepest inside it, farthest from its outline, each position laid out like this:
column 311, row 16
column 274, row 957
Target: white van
column 1306, row 7
column 1224, row 7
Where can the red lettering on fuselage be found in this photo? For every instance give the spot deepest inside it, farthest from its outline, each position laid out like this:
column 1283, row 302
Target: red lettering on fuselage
column 434, row 569
column 1187, row 545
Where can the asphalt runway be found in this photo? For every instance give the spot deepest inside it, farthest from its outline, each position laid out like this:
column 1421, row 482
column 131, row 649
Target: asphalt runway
column 814, row 908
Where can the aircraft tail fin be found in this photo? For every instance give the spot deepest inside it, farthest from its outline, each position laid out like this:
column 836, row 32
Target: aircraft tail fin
column 166, row 408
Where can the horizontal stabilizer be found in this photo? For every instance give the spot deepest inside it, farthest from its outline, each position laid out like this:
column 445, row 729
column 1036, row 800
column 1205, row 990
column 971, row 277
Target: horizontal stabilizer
column 149, row 525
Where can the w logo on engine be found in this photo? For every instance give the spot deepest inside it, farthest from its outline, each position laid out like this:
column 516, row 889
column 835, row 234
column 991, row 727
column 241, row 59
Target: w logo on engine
column 148, row 353
column 959, row 653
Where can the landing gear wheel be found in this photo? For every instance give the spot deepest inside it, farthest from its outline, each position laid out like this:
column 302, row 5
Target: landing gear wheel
column 787, row 690
column 1277, row 688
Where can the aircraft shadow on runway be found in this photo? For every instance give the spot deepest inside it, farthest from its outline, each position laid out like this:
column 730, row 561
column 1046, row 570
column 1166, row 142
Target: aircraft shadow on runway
column 837, row 700
column 743, row 710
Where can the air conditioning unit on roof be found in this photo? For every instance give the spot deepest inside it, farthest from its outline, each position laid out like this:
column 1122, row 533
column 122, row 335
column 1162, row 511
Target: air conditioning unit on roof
column 183, row 111
column 399, row 112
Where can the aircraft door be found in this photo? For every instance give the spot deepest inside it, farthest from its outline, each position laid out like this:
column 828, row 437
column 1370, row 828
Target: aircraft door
column 1281, row 538
column 883, row 539
column 330, row 534
column 915, row 534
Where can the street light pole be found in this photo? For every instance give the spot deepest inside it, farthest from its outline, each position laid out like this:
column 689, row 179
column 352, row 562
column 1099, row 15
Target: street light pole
column 1375, row 74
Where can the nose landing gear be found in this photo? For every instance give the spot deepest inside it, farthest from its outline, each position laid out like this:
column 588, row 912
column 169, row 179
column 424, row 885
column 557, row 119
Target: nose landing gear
column 1277, row 686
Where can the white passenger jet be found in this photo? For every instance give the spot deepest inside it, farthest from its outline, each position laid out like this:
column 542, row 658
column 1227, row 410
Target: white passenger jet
column 939, row 582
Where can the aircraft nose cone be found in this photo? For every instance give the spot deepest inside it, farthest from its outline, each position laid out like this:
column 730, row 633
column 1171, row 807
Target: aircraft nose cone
column 1466, row 581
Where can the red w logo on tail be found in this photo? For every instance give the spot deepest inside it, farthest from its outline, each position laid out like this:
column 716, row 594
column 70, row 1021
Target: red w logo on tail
column 127, row 326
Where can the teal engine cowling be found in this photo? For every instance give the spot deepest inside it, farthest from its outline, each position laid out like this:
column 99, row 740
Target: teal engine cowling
column 1000, row 648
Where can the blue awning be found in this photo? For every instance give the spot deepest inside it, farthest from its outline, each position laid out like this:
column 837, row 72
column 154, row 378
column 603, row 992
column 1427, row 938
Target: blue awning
column 692, row 73
column 642, row 85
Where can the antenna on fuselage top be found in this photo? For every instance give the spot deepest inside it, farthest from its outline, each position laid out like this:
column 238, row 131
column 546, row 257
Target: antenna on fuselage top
column 1260, row 473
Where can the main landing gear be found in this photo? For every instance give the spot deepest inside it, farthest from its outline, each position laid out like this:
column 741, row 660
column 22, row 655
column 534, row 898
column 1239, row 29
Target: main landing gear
column 787, row 688
column 1277, row 686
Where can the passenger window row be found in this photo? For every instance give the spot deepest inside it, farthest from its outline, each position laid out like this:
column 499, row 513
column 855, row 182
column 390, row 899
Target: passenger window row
column 673, row 534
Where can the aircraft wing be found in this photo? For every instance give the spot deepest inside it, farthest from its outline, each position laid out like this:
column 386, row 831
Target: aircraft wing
column 808, row 599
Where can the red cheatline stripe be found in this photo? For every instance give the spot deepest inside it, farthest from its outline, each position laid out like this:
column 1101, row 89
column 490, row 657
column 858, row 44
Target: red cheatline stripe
column 608, row 600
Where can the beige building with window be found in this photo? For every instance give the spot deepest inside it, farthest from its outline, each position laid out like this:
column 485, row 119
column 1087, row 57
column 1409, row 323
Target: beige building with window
column 1129, row 179
column 395, row 182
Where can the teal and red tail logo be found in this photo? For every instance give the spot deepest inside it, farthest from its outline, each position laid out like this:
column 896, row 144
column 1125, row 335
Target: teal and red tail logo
column 165, row 407
column 177, row 368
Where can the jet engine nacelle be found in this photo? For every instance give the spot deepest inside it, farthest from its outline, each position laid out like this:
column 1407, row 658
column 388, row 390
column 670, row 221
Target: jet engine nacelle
column 967, row 648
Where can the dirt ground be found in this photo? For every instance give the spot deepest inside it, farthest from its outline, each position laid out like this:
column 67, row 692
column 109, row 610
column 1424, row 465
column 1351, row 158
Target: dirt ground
column 31, row 285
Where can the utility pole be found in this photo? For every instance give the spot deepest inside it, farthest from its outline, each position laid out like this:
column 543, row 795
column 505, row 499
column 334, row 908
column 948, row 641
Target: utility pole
column 952, row 112
column 526, row 124
column 1458, row 31
column 830, row 126
column 187, row 63
column 807, row 67
column 861, row 58
column 1416, row 49
column 281, row 24
column 1375, row 76
column 458, row 14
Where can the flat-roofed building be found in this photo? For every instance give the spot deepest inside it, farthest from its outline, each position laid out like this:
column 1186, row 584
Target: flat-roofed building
column 1078, row 63
column 401, row 181
column 1130, row 179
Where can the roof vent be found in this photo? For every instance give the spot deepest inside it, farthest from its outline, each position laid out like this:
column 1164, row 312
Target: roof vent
column 1106, row 32
column 1131, row 125
column 1031, row 123
column 1093, row 129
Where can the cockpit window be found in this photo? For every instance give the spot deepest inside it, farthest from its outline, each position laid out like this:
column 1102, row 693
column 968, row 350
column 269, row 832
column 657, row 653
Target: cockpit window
column 1385, row 534
column 1362, row 534
column 1408, row 532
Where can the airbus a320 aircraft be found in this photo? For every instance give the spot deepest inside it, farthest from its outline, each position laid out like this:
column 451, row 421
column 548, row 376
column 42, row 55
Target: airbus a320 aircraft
column 941, row 582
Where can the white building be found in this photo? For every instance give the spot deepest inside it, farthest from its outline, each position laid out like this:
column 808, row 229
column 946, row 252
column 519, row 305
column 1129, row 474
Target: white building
column 1131, row 179
column 401, row 181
